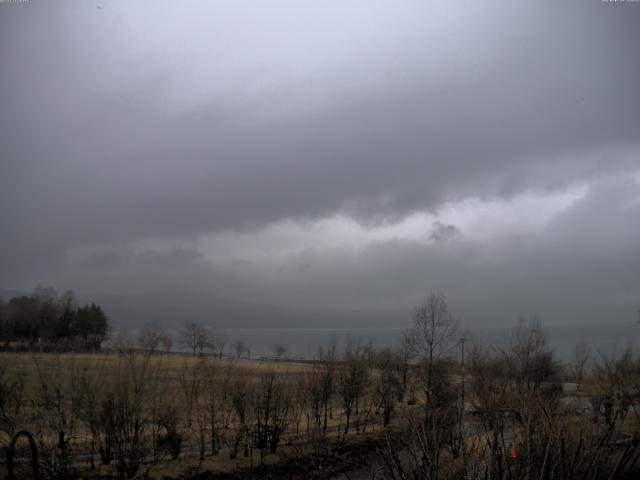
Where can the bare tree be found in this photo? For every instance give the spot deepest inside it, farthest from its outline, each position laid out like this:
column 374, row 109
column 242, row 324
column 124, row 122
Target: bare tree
column 299, row 406
column 353, row 377
column 166, row 341
column 405, row 354
column 434, row 334
column 11, row 401
column 216, row 344
column 88, row 386
column 170, row 437
column 279, row 350
column 581, row 357
column 314, row 396
column 239, row 348
column 619, row 376
column 516, row 389
column 270, row 405
column 432, row 340
column 149, row 338
column 215, row 390
column 515, row 393
column 389, row 383
column 194, row 337
column 239, row 400
column 191, row 382
column 327, row 363
column 55, row 419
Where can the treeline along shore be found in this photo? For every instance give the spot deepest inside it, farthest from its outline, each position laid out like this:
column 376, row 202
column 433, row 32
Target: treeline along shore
column 437, row 406
column 48, row 321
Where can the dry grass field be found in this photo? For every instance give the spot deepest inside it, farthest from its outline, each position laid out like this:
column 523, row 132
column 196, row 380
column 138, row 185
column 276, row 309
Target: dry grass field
column 208, row 407
column 132, row 413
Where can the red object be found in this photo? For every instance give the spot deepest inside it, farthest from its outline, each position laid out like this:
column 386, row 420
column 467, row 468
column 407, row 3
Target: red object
column 512, row 452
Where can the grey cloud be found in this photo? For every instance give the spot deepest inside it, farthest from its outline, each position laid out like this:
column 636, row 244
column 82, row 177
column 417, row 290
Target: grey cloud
column 99, row 145
column 442, row 232
column 580, row 263
column 117, row 258
column 585, row 255
column 579, row 256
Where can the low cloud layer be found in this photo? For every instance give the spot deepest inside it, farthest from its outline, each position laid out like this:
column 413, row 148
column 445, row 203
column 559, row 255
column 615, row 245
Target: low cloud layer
column 314, row 154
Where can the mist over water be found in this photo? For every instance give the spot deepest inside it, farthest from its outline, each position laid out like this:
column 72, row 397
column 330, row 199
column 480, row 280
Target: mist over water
column 303, row 343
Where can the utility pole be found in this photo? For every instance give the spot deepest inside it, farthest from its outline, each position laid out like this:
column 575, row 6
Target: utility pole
column 462, row 340
column 461, row 414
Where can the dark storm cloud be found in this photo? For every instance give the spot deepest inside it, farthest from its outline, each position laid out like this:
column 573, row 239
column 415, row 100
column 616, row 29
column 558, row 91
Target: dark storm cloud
column 586, row 254
column 117, row 258
column 442, row 232
column 112, row 133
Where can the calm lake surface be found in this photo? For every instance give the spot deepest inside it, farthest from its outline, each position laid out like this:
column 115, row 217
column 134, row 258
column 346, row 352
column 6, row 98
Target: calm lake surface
column 304, row 343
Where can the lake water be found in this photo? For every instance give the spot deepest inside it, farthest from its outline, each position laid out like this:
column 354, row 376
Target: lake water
column 304, row 343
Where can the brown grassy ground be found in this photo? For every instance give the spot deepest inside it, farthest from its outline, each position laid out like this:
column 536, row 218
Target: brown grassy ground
column 62, row 370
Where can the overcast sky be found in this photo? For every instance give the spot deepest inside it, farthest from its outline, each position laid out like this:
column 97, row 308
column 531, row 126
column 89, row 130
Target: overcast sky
column 338, row 154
